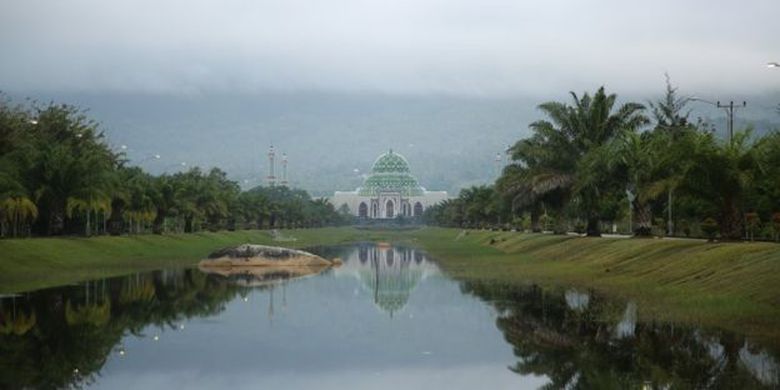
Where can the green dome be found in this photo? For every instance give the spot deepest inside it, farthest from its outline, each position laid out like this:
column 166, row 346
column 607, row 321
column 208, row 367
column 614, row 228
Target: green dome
column 390, row 173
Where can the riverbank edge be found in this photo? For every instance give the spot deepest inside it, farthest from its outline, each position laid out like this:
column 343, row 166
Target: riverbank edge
column 30, row 264
column 733, row 285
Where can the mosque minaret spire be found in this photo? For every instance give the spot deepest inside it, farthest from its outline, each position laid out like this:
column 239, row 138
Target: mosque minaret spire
column 271, row 155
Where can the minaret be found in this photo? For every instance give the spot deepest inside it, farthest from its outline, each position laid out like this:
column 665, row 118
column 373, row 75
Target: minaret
column 498, row 164
column 271, row 178
column 284, row 169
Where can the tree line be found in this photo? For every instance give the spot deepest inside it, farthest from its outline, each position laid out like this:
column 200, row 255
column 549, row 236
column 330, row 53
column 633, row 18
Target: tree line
column 592, row 164
column 59, row 175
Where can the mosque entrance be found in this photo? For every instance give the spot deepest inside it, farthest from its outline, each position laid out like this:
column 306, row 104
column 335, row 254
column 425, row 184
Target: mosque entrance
column 418, row 209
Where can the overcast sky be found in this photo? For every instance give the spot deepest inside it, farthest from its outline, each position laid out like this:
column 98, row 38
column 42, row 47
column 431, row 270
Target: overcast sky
column 454, row 47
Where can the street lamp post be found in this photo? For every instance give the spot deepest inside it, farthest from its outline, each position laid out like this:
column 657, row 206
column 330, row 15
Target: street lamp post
column 775, row 65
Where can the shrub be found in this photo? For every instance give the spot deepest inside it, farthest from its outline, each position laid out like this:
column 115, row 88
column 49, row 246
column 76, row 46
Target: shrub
column 526, row 222
column 685, row 227
column 544, row 221
column 710, row 228
column 660, row 226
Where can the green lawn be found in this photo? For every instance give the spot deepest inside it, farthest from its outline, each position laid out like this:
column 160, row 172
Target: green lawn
column 732, row 285
column 36, row 263
column 735, row 285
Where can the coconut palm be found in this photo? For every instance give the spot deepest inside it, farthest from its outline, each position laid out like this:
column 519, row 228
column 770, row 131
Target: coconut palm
column 18, row 211
column 723, row 172
column 560, row 156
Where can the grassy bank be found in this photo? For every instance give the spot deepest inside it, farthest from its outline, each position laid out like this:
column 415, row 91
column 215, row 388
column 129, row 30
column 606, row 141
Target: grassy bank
column 734, row 285
column 27, row 264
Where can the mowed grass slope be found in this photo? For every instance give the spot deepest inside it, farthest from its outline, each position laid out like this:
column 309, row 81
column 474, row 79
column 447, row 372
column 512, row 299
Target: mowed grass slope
column 27, row 264
column 731, row 284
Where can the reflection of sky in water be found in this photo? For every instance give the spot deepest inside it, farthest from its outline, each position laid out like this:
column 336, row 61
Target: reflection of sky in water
column 760, row 364
column 576, row 300
column 627, row 325
column 326, row 332
column 386, row 318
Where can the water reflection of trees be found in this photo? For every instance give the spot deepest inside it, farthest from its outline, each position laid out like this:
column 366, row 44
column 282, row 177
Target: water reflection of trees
column 592, row 342
column 63, row 336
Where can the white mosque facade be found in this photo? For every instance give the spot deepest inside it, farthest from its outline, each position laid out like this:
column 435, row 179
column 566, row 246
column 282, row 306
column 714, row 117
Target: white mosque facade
column 390, row 190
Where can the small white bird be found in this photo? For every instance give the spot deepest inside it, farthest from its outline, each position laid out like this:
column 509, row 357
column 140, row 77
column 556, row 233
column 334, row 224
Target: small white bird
column 773, row 65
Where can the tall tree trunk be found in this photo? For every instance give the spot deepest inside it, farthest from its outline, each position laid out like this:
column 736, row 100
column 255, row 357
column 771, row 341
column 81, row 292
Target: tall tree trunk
column 731, row 226
column 594, row 227
column 535, row 220
column 643, row 216
column 16, row 222
column 158, row 226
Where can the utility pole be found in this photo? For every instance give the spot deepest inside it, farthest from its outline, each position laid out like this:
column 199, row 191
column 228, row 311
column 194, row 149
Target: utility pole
column 730, row 111
column 729, row 108
column 670, row 223
column 630, row 196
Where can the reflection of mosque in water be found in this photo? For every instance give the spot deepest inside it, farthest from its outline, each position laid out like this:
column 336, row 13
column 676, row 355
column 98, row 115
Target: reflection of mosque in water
column 388, row 274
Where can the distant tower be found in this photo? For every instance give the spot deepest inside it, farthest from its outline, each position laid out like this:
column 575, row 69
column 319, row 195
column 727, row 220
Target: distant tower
column 284, row 169
column 271, row 178
column 498, row 164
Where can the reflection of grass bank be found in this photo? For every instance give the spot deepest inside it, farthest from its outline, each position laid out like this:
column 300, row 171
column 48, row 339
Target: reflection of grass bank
column 735, row 285
column 35, row 263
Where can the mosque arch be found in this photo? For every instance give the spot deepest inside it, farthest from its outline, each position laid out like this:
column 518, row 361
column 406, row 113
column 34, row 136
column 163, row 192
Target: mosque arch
column 418, row 209
column 363, row 210
column 389, row 209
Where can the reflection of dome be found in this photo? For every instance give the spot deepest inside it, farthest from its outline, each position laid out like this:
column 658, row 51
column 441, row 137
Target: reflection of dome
column 388, row 274
column 390, row 173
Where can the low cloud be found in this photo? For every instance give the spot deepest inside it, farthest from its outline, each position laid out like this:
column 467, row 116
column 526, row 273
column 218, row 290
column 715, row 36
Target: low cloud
column 454, row 47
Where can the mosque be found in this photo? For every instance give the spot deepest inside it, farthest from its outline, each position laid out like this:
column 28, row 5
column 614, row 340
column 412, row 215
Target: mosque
column 390, row 190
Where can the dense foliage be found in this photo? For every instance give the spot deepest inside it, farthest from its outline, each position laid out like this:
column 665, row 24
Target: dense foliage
column 58, row 175
column 590, row 162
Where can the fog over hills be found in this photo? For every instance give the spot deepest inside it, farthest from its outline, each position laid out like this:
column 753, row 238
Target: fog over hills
column 450, row 142
column 446, row 83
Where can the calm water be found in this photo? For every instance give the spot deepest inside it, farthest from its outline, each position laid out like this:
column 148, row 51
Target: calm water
column 388, row 318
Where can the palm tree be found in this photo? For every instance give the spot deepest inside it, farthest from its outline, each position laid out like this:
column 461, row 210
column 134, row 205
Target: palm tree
column 723, row 172
column 18, row 211
column 560, row 156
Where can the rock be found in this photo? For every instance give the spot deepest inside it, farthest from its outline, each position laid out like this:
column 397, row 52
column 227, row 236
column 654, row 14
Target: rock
column 254, row 276
column 248, row 255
